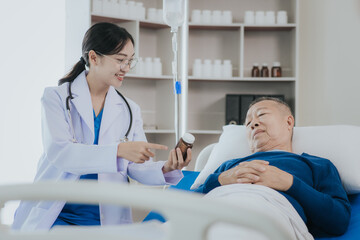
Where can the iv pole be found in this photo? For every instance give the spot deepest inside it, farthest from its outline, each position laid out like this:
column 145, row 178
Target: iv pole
column 177, row 85
column 184, row 69
column 174, row 18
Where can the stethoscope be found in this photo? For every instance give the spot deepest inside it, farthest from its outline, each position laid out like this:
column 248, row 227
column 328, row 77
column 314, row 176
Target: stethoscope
column 68, row 99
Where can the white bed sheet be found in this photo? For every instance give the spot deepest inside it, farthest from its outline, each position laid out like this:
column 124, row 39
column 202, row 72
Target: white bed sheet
column 257, row 198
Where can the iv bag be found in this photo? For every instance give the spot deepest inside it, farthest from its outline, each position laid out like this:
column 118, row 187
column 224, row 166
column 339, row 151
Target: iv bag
column 173, row 13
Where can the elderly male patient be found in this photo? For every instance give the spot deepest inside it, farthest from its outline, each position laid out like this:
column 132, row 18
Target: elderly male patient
column 310, row 183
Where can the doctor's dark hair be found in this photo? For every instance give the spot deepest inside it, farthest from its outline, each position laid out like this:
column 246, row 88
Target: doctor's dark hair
column 104, row 38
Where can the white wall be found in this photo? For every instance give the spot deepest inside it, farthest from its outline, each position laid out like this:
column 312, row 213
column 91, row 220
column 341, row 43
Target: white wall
column 32, row 49
column 37, row 44
column 77, row 21
column 329, row 62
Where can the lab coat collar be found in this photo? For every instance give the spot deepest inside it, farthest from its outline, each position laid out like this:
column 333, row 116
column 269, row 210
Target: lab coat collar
column 82, row 100
column 113, row 105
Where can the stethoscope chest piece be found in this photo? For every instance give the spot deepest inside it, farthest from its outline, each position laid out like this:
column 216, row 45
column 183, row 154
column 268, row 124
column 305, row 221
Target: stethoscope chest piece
column 124, row 140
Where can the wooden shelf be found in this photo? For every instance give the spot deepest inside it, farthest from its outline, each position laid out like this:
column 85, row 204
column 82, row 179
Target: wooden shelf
column 233, row 26
column 104, row 18
column 113, row 19
column 208, row 132
column 215, row 79
column 162, row 77
column 247, row 27
column 269, row 79
column 151, row 24
column 159, row 131
column 246, row 79
column 273, row 27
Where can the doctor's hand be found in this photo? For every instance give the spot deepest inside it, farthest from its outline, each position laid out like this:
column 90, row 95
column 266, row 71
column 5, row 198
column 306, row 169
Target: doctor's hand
column 175, row 160
column 138, row 152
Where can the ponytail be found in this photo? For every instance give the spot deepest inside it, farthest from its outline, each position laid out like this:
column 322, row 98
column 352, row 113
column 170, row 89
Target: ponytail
column 78, row 68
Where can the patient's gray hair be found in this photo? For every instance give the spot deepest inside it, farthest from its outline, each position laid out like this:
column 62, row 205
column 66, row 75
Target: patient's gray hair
column 277, row 100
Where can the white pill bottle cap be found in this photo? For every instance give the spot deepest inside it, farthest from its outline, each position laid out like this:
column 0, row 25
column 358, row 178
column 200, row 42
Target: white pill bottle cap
column 188, row 138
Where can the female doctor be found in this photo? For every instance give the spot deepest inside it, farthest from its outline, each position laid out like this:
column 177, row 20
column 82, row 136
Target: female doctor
column 91, row 132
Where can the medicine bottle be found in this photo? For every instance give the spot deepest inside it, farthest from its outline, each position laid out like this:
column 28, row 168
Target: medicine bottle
column 264, row 70
column 255, row 72
column 276, row 70
column 184, row 143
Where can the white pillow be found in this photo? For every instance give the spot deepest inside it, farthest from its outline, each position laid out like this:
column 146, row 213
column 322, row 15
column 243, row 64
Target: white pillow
column 337, row 143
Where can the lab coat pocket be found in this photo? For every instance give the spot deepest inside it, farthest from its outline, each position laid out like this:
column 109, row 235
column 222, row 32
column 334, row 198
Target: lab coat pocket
column 36, row 214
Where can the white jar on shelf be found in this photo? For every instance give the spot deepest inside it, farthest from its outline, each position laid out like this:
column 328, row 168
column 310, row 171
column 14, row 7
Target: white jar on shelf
column 227, row 69
column 97, row 6
column 152, row 14
column 216, row 17
column 207, row 70
column 132, row 10
column 227, row 17
column 196, row 16
column 140, row 11
column 149, row 66
column 217, row 69
column 140, row 67
column 260, row 17
column 110, row 8
column 281, row 17
column 249, row 17
column 270, row 17
column 206, row 17
column 197, row 68
column 157, row 67
column 160, row 17
column 123, row 9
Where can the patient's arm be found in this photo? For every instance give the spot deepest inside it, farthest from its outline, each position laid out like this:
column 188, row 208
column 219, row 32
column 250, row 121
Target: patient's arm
column 231, row 172
column 325, row 204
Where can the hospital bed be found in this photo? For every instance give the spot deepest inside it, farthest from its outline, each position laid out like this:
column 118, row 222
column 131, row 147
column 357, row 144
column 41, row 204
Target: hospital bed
column 190, row 215
column 353, row 232
column 338, row 143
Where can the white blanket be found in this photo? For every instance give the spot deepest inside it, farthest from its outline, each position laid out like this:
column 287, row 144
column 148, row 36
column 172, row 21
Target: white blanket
column 258, row 198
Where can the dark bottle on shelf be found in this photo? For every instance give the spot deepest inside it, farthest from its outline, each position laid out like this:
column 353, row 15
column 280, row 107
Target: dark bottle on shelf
column 276, row 70
column 255, row 72
column 264, row 70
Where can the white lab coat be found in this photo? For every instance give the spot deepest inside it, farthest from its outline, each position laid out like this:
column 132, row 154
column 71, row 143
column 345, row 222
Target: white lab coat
column 64, row 160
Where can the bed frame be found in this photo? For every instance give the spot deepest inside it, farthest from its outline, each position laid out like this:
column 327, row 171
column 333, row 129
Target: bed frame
column 190, row 215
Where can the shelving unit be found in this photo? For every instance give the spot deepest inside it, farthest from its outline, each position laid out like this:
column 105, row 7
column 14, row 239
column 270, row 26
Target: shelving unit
column 242, row 43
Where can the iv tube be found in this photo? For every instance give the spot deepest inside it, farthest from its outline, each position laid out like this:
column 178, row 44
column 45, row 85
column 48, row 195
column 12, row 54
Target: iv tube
column 173, row 14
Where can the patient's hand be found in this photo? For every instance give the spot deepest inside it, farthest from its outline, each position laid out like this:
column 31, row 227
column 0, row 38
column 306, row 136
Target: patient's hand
column 175, row 160
column 245, row 172
column 275, row 178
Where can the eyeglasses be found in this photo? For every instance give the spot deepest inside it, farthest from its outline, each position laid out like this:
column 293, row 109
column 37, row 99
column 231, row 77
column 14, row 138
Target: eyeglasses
column 122, row 62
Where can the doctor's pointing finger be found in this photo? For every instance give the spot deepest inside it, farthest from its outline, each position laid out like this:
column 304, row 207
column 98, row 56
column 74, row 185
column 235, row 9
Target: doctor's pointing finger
column 138, row 152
